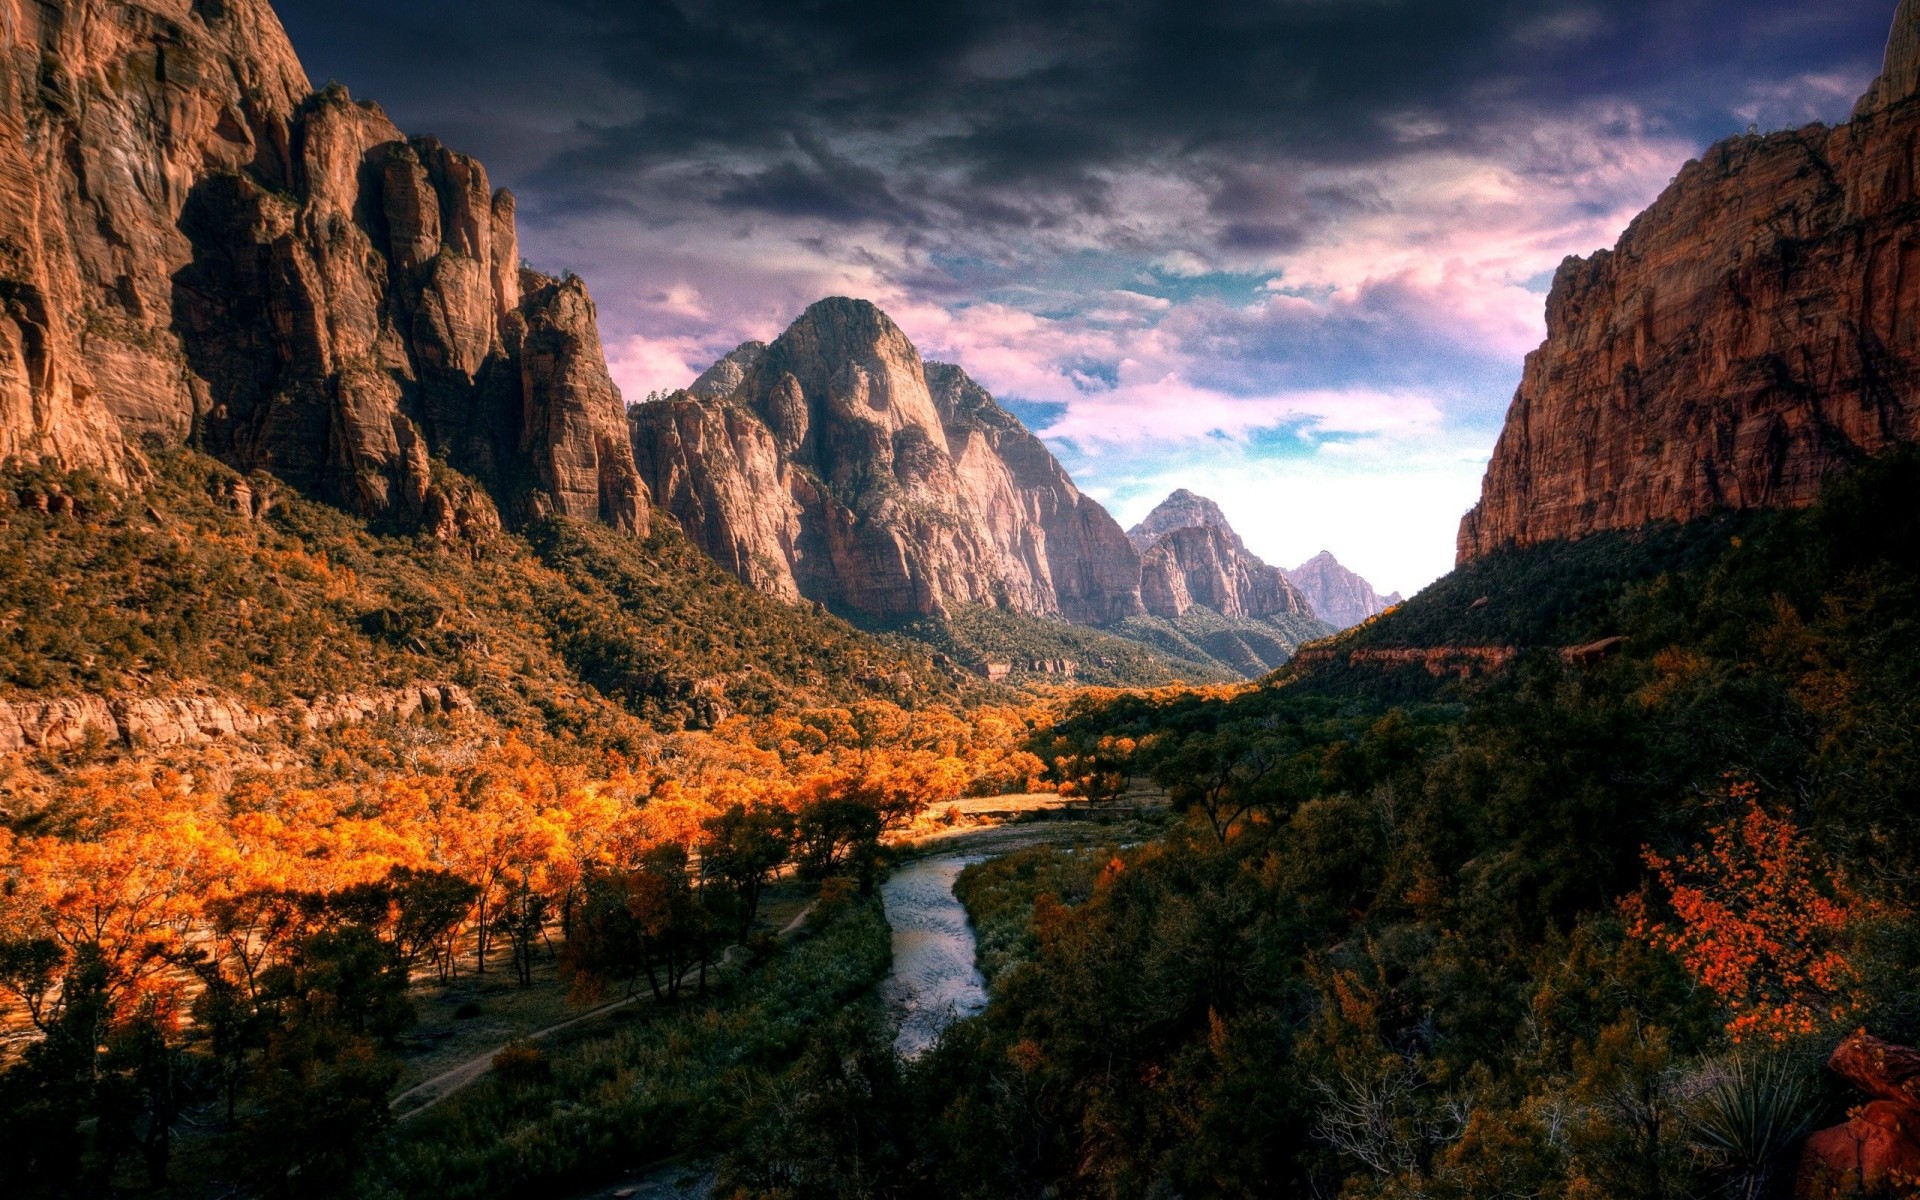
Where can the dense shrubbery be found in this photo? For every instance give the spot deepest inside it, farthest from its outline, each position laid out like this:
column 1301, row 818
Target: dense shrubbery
column 675, row 1083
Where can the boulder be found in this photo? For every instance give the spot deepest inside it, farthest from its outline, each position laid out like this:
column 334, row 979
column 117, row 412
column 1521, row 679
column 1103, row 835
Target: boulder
column 1876, row 1152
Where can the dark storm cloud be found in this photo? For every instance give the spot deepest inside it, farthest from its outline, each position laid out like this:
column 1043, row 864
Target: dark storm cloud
column 1041, row 97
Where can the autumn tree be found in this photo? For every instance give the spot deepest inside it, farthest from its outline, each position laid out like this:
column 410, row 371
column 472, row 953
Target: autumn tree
column 834, row 834
column 1759, row 919
column 655, row 921
column 742, row 849
column 1224, row 776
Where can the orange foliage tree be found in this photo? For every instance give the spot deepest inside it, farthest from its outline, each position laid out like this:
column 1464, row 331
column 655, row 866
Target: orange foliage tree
column 1759, row 919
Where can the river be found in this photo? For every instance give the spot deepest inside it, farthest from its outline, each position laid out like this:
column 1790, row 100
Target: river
column 935, row 980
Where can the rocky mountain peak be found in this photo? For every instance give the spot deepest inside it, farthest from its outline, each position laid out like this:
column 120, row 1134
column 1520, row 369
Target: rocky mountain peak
column 724, row 378
column 848, row 357
column 1182, row 510
column 1340, row 597
column 1190, row 556
column 1900, row 78
column 842, row 468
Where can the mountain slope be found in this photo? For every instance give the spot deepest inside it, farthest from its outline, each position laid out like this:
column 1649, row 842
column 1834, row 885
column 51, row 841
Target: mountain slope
column 196, row 249
column 1755, row 331
column 211, row 586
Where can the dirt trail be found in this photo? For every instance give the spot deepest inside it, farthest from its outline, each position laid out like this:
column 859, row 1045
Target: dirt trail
column 424, row 1095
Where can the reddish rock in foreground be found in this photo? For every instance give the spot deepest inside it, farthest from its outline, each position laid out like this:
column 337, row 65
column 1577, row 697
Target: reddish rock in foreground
column 1877, row 1151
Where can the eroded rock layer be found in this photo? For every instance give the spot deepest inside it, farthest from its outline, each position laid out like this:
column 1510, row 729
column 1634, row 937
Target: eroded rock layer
column 196, row 248
column 834, row 465
column 1755, row 331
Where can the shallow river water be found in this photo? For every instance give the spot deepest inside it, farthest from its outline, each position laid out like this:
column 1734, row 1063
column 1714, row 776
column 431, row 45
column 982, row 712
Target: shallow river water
column 935, row 980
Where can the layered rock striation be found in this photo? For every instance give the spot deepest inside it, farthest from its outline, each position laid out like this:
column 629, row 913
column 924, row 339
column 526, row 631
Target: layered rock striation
column 195, row 248
column 1755, row 331
column 835, row 465
column 1339, row 597
column 1191, row 556
column 67, row 722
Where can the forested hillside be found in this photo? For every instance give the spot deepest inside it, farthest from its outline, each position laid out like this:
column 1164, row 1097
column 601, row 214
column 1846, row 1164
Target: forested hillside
column 1556, row 930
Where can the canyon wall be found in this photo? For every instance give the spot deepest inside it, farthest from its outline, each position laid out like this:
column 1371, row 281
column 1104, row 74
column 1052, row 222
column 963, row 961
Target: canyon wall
column 1754, row 332
column 196, row 248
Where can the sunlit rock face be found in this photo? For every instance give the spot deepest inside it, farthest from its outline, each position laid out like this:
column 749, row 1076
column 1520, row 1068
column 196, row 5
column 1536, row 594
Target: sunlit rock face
column 1339, row 597
column 1755, row 331
column 835, row 465
column 1192, row 557
column 194, row 247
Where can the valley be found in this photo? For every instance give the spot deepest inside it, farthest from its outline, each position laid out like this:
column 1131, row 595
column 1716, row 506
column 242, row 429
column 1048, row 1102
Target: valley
column 424, row 773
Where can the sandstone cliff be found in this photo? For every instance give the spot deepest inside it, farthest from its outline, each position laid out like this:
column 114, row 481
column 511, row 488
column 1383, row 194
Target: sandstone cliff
column 1193, row 557
column 1753, row 332
column 1339, row 597
column 836, row 466
column 195, row 249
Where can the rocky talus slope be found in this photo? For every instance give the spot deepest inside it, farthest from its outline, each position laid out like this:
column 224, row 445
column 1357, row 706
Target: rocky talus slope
column 195, row 248
column 835, row 466
column 1339, row 597
column 1755, row 331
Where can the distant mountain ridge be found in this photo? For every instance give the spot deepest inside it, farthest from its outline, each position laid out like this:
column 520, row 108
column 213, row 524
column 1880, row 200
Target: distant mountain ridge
column 1340, row 597
column 835, row 465
column 1752, row 334
column 1191, row 555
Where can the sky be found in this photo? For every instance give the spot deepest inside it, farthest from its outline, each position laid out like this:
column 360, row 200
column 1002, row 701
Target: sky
column 1289, row 254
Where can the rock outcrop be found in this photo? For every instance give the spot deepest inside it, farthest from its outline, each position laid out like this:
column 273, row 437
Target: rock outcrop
column 63, row 723
column 1463, row 662
column 1192, row 557
column 838, row 467
column 1876, row 1151
column 1755, row 331
column 1339, row 597
column 724, row 378
column 194, row 248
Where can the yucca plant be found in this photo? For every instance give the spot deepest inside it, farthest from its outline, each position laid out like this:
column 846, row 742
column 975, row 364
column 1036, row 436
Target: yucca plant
column 1749, row 1115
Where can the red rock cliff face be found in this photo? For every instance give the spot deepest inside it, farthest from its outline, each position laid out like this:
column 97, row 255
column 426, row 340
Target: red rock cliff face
column 1755, row 331
column 836, row 466
column 195, row 249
